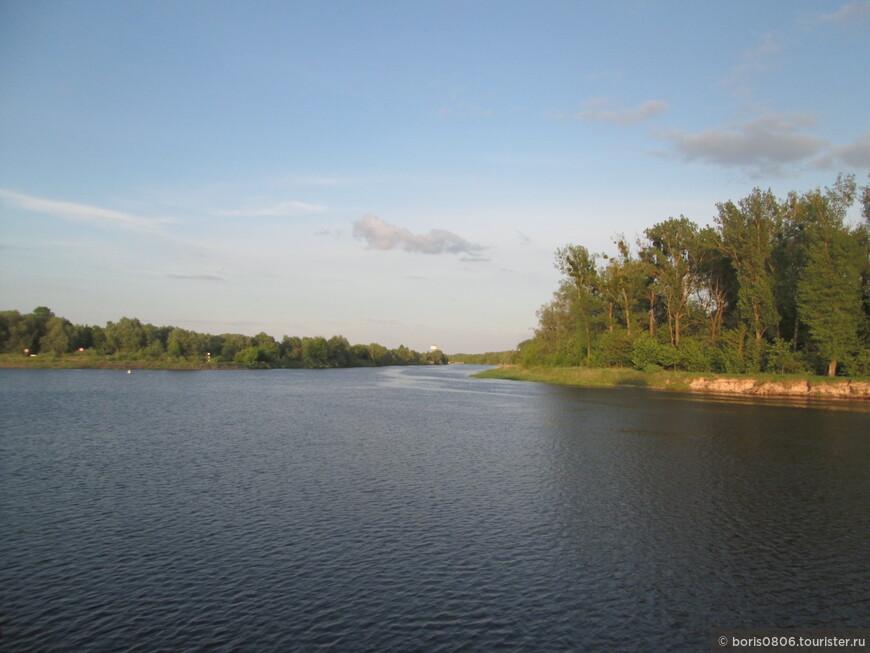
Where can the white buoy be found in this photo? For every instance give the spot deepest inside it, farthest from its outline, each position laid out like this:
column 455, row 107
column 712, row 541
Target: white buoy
column 129, row 371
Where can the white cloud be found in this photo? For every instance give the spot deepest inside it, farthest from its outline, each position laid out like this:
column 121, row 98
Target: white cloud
column 383, row 235
column 81, row 212
column 848, row 15
column 765, row 144
column 282, row 209
column 595, row 111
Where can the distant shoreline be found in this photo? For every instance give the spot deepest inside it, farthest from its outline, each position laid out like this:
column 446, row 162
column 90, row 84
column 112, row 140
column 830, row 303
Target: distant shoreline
column 761, row 385
column 84, row 364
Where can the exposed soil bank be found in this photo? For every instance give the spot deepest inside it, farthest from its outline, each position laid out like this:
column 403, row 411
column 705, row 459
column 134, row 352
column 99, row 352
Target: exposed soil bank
column 761, row 386
column 838, row 389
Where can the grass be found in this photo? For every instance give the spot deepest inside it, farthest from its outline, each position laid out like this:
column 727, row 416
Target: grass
column 616, row 377
column 580, row 376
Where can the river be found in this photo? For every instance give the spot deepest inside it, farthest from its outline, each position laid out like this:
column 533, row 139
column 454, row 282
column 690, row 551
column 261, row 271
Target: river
column 417, row 509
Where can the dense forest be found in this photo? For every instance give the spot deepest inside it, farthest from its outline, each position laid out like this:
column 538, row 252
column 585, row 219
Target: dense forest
column 777, row 285
column 43, row 334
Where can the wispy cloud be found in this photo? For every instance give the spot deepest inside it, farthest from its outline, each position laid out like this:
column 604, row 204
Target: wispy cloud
column 383, row 235
column 454, row 103
column 281, row 209
column 596, row 110
column 195, row 277
column 848, row 15
column 81, row 212
column 759, row 59
column 764, row 144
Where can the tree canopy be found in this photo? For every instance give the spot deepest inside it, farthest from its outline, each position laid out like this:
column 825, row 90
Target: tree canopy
column 775, row 284
column 41, row 332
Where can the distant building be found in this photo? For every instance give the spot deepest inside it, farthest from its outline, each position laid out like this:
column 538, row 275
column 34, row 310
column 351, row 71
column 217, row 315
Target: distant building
column 434, row 348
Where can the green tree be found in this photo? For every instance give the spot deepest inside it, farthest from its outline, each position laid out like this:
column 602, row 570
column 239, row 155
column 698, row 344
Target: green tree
column 268, row 344
column 623, row 283
column 672, row 246
column 15, row 335
column 252, row 357
column 59, row 335
column 379, row 354
column 233, row 343
column 717, row 284
column 361, row 355
column 315, row 352
column 436, row 357
column 183, row 343
column 747, row 230
column 291, row 348
column 124, row 336
column 575, row 262
column 829, row 292
column 339, row 351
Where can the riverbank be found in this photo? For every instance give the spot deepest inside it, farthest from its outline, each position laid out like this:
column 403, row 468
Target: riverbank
column 761, row 385
column 85, row 362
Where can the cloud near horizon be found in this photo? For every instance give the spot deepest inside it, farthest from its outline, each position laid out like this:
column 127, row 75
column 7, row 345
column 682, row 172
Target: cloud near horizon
column 383, row 235
column 595, row 111
column 195, row 277
column 281, row 209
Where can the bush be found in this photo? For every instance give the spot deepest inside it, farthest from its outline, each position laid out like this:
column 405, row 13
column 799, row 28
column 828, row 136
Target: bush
column 252, row 357
column 695, row 356
column 615, row 348
column 779, row 357
column 857, row 364
column 644, row 352
column 668, row 356
column 728, row 356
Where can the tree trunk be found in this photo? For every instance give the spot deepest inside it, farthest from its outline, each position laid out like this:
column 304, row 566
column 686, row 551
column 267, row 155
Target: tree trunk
column 794, row 341
column 588, row 346
column 626, row 308
column 652, row 312
column 832, row 368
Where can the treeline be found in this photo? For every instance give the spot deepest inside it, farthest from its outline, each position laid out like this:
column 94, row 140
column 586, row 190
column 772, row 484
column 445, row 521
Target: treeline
column 43, row 333
column 510, row 357
column 777, row 284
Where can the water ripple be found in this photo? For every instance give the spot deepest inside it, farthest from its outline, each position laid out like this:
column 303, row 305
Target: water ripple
column 415, row 509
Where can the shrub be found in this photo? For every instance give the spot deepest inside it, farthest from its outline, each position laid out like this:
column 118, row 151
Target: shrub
column 695, row 356
column 616, row 348
column 779, row 357
column 645, row 351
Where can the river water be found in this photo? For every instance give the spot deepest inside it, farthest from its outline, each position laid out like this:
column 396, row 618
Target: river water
column 417, row 509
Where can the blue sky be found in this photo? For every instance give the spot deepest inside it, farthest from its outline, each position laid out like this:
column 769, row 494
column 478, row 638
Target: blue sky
column 395, row 172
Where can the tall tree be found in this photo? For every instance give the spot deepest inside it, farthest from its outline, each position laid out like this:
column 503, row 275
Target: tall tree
column 829, row 292
column 747, row 230
column 717, row 286
column 578, row 265
column 58, row 338
column 623, row 283
column 672, row 244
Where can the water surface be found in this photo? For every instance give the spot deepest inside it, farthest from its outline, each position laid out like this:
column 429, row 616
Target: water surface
column 416, row 509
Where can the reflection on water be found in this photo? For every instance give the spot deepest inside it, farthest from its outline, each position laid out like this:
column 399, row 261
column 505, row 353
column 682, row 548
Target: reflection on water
column 416, row 508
